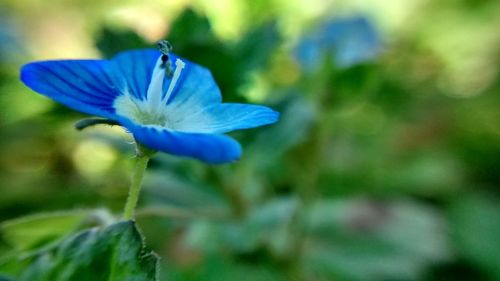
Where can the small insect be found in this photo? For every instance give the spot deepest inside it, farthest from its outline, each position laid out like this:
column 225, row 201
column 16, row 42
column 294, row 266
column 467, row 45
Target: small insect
column 166, row 48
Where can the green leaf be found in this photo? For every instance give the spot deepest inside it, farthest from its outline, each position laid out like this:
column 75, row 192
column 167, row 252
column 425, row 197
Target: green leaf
column 476, row 228
column 296, row 121
column 374, row 240
column 11, row 264
column 3, row 278
column 111, row 41
column 269, row 226
column 222, row 269
column 34, row 231
column 267, row 37
column 114, row 253
column 190, row 28
column 167, row 188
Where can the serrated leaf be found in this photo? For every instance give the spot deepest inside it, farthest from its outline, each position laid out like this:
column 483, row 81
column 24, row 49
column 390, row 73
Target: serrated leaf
column 33, row 231
column 114, row 253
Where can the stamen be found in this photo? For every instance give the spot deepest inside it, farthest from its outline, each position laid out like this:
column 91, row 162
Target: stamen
column 179, row 65
column 154, row 93
column 156, row 100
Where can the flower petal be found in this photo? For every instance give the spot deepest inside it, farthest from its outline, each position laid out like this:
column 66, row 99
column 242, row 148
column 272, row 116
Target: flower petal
column 226, row 117
column 211, row 148
column 354, row 40
column 83, row 85
column 131, row 71
column 197, row 89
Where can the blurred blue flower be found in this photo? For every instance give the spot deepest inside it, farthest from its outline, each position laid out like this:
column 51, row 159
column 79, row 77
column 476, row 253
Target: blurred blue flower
column 10, row 44
column 176, row 108
column 349, row 41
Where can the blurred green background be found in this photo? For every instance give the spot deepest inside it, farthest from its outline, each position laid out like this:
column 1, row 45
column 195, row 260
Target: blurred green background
column 385, row 164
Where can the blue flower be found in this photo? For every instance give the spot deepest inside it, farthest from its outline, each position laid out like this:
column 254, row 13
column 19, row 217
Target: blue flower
column 176, row 109
column 350, row 41
column 10, row 44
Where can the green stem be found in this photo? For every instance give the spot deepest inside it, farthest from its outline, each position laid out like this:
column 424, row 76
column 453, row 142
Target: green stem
column 135, row 187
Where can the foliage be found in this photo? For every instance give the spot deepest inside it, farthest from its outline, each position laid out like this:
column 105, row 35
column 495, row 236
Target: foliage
column 111, row 253
column 383, row 169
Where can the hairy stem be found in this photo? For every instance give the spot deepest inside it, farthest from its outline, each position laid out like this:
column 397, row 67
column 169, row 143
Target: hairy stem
column 135, row 186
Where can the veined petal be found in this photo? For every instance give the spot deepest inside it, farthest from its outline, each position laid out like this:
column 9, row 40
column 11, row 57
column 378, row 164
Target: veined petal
column 226, row 117
column 211, row 148
column 83, row 85
column 197, row 89
column 180, row 114
column 131, row 71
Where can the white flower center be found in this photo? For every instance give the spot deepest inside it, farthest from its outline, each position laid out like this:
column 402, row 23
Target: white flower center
column 151, row 111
